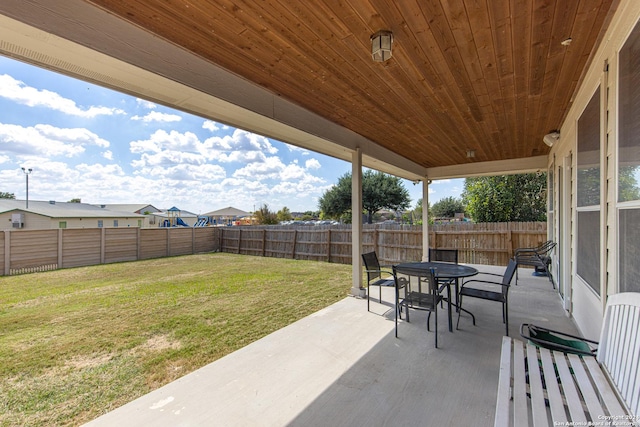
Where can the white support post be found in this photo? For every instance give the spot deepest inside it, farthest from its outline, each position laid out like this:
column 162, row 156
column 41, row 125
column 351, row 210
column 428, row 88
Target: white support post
column 356, row 223
column 425, row 220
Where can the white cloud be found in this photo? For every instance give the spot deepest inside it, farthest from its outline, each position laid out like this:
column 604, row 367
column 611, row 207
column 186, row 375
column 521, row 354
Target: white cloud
column 156, row 116
column 241, row 146
column 107, row 155
column 18, row 91
column 47, row 140
column 185, row 172
column 312, row 164
column 301, row 151
column 210, row 125
column 146, row 104
column 161, row 141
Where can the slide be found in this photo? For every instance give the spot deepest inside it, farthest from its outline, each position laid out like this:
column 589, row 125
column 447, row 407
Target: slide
column 179, row 221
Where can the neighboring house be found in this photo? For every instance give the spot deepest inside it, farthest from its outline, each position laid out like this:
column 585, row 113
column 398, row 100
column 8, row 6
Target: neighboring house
column 229, row 216
column 14, row 215
column 143, row 209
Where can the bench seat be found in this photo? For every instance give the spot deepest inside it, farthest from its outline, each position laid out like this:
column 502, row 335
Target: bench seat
column 540, row 387
column 556, row 389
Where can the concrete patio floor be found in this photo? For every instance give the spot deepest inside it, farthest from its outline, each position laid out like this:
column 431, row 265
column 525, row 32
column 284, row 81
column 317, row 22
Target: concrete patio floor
column 343, row 366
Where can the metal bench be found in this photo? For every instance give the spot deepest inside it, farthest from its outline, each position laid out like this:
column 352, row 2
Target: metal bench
column 538, row 258
column 540, row 387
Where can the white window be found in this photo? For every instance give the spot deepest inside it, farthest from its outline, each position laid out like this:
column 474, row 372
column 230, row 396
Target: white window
column 629, row 164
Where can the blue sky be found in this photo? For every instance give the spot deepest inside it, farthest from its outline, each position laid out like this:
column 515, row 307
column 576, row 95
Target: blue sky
column 84, row 141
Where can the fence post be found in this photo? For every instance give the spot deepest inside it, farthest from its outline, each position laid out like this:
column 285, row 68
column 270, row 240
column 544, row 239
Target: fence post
column 264, row 242
column 295, row 239
column 60, row 230
column 376, row 235
column 239, row 239
column 168, row 241
column 103, row 245
column 510, row 244
column 7, row 252
column 329, row 245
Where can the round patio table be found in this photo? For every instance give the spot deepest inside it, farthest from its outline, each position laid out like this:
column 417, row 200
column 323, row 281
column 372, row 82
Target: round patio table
column 445, row 272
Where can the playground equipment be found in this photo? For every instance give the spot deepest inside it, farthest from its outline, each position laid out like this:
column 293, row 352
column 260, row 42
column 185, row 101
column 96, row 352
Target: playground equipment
column 174, row 220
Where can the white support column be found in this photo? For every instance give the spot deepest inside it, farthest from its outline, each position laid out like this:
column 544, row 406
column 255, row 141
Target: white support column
column 425, row 220
column 356, row 223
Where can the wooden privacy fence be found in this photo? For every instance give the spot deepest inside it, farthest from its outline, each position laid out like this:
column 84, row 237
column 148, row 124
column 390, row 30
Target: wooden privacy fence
column 487, row 243
column 26, row 251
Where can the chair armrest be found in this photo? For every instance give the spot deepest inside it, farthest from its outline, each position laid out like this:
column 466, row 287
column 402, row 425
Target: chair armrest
column 486, row 282
column 484, row 273
column 390, row 273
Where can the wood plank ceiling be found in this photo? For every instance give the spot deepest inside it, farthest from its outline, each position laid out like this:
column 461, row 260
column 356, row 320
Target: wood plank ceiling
column 485, row 75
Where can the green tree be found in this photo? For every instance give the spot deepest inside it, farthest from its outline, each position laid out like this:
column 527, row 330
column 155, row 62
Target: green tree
column 506, row 198
column 447, row 207
column 379, row 191
column 628, row 188
column 265, row 216
column 4, row 195
column 76, row 200
column 284, row 214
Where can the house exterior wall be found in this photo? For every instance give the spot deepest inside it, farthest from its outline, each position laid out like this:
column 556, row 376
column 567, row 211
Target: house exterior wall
column 40, row 222
column 585, row 304
column 93, row 222
column 31, row 221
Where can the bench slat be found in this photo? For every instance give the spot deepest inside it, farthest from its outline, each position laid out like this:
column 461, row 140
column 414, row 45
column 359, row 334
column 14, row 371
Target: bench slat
column 538, row 409
column 604, row 388
column 570, row 392
column 556, row 403
column 586, row 389
column 520, row 412
column 504, row 385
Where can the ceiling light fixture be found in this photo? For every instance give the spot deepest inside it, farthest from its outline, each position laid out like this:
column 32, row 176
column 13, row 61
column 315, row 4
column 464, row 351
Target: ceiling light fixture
column 551, row 138
column 381, row 46
column 566, row 42
column 471, row 154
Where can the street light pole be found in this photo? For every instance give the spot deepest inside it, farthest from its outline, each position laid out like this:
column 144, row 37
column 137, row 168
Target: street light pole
column 26, row 174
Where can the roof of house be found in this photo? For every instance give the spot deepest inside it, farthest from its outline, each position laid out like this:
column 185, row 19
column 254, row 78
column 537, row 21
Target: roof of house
column 55, row 209
column 228, row 211
column 129, row 207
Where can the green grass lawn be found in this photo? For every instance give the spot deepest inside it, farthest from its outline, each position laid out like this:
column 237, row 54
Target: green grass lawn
column 77, row 343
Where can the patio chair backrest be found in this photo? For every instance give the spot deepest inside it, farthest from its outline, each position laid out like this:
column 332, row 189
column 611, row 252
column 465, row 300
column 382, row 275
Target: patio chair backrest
column 619, row 348
column 445, row 255
column 508, row 275
column 372, row 265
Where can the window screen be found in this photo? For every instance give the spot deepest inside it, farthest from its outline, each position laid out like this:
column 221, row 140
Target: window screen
column 629, row 110
column 588, row 198
column 629, row 250
column 588, row 259
column 629, row 164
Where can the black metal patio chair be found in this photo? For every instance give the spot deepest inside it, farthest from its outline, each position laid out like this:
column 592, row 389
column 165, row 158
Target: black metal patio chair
column 421, row 293
column 377, row 275
column 446, row 255
column 538, row 258
column 485, row 289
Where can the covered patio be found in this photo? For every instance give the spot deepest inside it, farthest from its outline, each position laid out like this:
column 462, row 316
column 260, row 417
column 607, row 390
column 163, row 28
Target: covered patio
column 344, row 366
column 470, row 89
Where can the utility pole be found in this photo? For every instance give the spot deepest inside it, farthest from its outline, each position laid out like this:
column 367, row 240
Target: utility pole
column 26, row 174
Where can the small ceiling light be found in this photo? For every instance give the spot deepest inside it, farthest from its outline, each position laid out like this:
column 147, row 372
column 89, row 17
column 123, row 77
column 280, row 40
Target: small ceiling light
column 566, row 42
column 471, row 154
column 551, row 138
column 381, row 46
